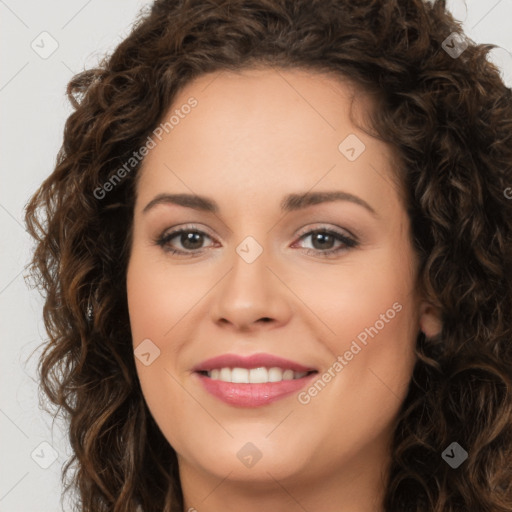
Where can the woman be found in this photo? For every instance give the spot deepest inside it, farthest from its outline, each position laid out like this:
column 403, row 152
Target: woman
column 277, row 257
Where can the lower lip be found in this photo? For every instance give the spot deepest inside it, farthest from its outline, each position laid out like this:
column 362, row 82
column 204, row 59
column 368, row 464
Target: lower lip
column 253, row 395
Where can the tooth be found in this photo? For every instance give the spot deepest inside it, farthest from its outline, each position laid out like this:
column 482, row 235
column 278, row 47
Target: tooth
column 225, row 374
column 288, row 375
column 258, row 375
column 275, row 374
column 240, row 375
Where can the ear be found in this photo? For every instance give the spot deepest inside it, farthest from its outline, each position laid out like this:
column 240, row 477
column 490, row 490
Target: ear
column 430, row 320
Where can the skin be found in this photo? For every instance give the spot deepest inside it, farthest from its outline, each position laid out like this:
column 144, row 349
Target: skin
column 254, row 137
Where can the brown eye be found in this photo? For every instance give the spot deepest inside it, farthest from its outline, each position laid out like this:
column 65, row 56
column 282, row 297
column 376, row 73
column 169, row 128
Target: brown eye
column 191, row 240
column 183, row 241
column 325, row 242
column 322, row 240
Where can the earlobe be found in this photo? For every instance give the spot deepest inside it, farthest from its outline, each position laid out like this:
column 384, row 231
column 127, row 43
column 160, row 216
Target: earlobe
column 430, row 320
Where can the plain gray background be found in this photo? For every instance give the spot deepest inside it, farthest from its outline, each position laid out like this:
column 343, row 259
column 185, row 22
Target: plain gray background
column 33, row 113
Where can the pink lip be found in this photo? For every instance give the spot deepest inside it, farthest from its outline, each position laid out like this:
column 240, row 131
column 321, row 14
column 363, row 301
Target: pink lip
column 251, row 395
column 249, row 362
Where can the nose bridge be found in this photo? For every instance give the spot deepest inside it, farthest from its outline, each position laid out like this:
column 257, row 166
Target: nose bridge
column 250, row 291
column 248, row 281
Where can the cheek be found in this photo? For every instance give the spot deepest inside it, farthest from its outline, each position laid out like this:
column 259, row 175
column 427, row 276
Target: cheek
column 371, row 322
column 161, row 295
column 365, row 294
column 363, row 390
column 153, row 312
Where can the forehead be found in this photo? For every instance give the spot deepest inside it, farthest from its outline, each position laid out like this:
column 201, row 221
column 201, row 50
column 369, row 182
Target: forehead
column 263, row 129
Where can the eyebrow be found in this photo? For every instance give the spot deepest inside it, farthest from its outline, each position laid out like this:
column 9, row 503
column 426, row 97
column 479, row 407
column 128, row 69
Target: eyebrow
column 291, row 202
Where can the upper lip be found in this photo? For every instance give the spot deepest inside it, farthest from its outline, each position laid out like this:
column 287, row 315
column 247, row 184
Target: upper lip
column 252, row 361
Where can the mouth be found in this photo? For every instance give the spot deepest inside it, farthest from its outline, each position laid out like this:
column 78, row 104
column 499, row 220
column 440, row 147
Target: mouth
column 252, row 381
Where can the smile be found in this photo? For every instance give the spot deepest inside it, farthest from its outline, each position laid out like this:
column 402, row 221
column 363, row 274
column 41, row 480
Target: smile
column 252, row 381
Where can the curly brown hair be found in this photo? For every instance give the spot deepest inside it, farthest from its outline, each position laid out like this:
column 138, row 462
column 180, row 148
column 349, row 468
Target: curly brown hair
column 450, row 120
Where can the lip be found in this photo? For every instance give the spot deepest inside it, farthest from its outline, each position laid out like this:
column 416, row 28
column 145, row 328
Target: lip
column 252, row 395
column 250, row 362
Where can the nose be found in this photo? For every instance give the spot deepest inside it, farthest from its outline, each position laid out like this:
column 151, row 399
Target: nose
column 251, row 297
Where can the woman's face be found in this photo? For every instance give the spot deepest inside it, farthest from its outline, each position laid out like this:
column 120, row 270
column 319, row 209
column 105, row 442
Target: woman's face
column 295, row 245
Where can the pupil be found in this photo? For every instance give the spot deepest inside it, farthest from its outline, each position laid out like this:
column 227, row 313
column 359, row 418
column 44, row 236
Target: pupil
column 323, row 239
column 189, row 239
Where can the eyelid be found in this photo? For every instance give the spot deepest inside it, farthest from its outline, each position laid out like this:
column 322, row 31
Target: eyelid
column 325, row 227
column 187, row 227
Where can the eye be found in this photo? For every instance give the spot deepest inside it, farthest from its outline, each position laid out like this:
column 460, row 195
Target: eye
column 189, row 239
column 326, row 242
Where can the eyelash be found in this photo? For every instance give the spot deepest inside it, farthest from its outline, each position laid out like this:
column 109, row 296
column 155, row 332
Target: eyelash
column 349, row 243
